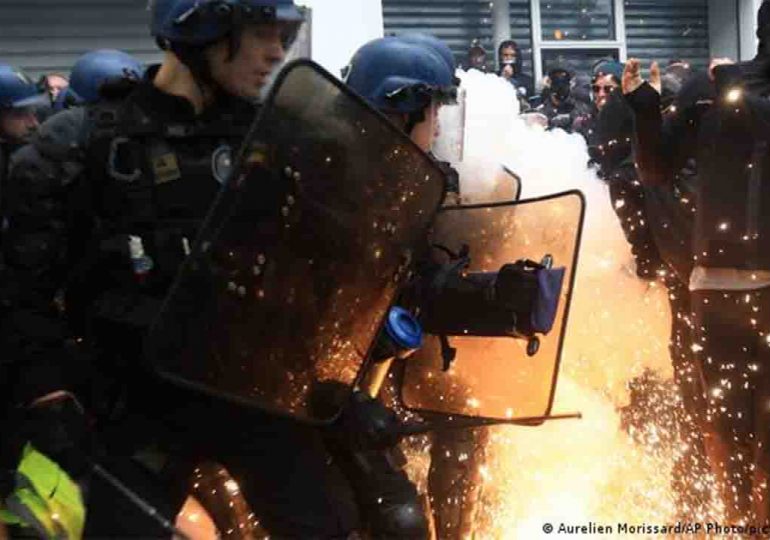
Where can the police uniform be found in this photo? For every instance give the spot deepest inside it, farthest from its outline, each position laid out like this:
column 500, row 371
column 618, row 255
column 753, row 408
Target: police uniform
column 104, row 205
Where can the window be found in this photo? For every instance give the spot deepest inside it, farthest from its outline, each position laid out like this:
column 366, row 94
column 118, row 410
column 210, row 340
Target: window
column 577, row 20
column 574, row 34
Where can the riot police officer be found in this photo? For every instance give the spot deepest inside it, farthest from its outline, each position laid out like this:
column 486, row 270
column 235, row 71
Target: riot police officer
column 408, row 79
column 104, row 204
column 385, row 72
column 19, row 98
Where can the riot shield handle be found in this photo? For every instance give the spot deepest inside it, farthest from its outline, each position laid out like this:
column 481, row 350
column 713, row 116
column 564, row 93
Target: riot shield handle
column 520, row 300
column 448, row 353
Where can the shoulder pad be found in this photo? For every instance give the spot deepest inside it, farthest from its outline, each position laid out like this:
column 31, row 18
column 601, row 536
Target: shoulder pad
column 63, row 136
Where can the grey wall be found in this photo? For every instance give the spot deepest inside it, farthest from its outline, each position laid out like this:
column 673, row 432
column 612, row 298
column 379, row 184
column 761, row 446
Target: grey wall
column 45, row 36
column 723, row 28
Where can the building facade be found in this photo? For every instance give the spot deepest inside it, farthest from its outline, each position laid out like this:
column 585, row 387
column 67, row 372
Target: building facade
column 569, row 33
column 45, row 36
column 576, row 33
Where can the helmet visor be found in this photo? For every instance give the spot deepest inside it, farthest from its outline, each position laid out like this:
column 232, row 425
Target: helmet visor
column 31, row 102
column 450, row 141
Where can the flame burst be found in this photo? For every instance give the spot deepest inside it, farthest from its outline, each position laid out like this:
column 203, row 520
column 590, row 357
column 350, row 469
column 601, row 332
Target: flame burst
column 634, row 457
column 599, row 470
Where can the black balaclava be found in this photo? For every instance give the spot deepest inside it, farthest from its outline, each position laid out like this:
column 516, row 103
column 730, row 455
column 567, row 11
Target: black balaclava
column 560, row 83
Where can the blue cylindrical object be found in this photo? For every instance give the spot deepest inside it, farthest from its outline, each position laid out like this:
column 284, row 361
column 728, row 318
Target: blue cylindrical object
column 403, row 329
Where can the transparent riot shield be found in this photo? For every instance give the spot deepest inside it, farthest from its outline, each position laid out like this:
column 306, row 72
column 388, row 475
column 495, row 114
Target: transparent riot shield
column 301, row 254
column 450, row 144
column 509, row 185
column 499, row 377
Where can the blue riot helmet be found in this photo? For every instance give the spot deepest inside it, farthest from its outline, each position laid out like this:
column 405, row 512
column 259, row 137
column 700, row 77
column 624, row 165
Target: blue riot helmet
column 17, row 91
column 188, row 27
column 95, row 69
column 177, row 23
column 450, row 145
column 20, row 102
column 436, row 45
column 400, row 77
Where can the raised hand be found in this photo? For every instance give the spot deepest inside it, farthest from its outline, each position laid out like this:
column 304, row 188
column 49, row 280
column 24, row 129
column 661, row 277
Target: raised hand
column 632, row 76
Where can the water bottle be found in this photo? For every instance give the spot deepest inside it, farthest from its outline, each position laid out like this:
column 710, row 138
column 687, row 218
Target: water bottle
column 141, row 263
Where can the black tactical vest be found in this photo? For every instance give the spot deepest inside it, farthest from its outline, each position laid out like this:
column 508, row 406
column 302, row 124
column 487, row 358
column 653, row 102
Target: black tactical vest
column 135, row 215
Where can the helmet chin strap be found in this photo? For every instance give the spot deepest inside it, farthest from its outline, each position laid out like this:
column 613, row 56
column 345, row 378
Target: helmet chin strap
column 195, row 60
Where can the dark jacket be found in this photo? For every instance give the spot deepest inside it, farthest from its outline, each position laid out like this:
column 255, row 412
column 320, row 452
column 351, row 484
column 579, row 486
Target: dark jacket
column 74, row 197
column 666, row 146
column 611, row 149
column 6, row 150
column 570, row 115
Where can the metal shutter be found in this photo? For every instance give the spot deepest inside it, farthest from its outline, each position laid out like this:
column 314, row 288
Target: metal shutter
column 660, row 30
column 458, row 22
column 43, row 36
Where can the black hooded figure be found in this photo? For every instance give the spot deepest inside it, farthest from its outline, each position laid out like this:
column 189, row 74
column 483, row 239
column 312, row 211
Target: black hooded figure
column 610, row 148
column 511, row 67
column 560, row 107
column 656, row 225
column 705, row 167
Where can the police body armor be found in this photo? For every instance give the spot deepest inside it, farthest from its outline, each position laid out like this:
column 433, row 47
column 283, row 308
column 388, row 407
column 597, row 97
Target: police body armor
column 151, row 187
column 4, row 154
column 6, row 149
